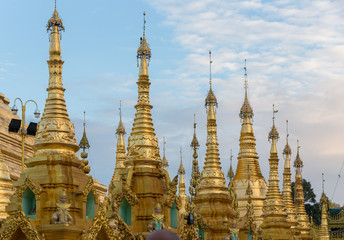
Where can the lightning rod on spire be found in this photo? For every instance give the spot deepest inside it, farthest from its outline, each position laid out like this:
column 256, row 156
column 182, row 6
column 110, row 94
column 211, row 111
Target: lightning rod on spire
column 287, row 129
column 120, row 109
column 323, row 182
column 144, row 23
column 84, row 118
column 164, row 145
column 210, row 61
column 298, row 144
column 181, row 154
column 246, row 84
column 273, row 112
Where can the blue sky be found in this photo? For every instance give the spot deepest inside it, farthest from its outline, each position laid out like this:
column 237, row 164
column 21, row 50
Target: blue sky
column 295, row 59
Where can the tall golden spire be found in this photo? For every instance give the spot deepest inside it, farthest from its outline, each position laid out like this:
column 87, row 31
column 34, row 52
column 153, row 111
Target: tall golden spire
column 287, row 192
column 142, row 142
column 273, row 189
column 248, row 164
column 55, row 129
column 54, row 169
column 230, row 173
column 275, row 223
column 324, row 233
column 84, row 145
column 194, row 181
column 181, row 172
column 248, row 155
column 212, row 159
column 182, row 194
column 212, row 199
column 164, row 160
column 120, row 129
column 120, row 153
column 299, row 200
column 231, row 190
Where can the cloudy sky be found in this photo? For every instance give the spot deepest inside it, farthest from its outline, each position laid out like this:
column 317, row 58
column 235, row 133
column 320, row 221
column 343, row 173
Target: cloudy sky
column 295, row 60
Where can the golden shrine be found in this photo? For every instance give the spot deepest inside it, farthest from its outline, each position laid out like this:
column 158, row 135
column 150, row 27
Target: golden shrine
column 55, row 198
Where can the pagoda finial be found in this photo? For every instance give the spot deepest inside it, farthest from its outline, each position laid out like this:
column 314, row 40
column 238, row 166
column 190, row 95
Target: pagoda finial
column 273, row 133
column 84, row 145
column 55, row 21
column 164, row 148
column 230, row 173
column 164, row 160
column 298, row 164
column 246, row 109
column 287, row 149
column 143, row 52
column 194, row 142
column 120, row 128
column 181, row 169
column 84, row 141
column 211, row 100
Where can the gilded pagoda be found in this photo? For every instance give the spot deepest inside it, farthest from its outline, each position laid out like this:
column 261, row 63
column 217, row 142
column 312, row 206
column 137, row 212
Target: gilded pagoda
column 56, row 198
column 248, row 170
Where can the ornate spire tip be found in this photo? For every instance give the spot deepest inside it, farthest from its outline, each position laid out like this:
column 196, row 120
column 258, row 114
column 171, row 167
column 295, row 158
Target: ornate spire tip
column 273, row 133
column 55, row 20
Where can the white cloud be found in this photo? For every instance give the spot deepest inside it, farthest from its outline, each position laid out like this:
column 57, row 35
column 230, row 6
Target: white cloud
column 295, row 59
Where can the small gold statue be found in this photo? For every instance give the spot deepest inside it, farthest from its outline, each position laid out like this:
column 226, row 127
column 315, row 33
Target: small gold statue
column 157, row 223
column 234, row 231
column 62, row 216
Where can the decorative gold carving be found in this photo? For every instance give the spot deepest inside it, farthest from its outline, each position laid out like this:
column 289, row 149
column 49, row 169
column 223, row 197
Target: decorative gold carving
column 55, row 130
column 15, row 221
column 116, row 232
column 90, row 187
column 126, row 193
column 172, row 193
column 188, row 231
column 28, row 183
column 274, row 206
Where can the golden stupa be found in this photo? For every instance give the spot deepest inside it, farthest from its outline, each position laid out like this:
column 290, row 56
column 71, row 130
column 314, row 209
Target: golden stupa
column 212, row 199
column 275, row 224
column 141, row 185
column 55, row 198
column 248, row 171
